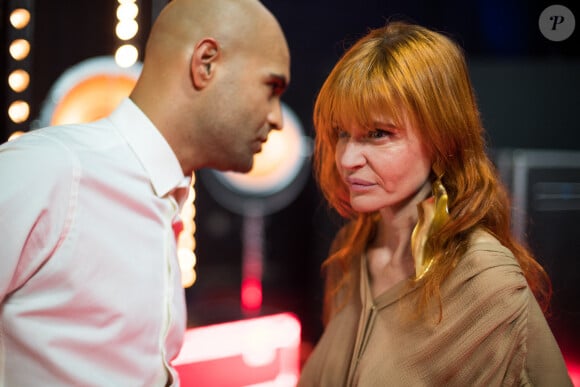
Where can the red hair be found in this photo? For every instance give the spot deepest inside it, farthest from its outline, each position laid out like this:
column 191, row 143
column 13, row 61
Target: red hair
column 409, row 69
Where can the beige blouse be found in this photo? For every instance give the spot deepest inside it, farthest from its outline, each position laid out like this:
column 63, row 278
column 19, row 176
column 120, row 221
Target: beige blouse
column 492, row 333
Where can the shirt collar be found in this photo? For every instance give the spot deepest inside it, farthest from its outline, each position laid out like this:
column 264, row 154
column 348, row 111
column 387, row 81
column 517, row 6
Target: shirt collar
column 150, row 147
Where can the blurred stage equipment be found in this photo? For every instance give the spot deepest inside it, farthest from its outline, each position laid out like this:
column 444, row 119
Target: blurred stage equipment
column 91, row 90
column 545, row 189
column 19, row 44
column 277, row 177
column 87, row 91
column 261, row 351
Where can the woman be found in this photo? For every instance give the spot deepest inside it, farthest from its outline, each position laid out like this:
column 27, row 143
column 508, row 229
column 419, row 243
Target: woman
column 425, row 285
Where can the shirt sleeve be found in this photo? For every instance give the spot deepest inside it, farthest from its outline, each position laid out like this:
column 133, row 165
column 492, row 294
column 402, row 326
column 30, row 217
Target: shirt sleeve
column 545, row 365
column 38, row 175
column 496, row 305
column 493, row 326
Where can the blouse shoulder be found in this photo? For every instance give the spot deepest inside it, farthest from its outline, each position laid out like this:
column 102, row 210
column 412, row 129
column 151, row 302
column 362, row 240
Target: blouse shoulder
column 486, row 256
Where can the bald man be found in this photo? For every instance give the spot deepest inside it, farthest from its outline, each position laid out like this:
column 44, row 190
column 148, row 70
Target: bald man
column 89, row 280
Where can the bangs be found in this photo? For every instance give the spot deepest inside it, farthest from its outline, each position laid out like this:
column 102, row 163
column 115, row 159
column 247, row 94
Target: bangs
column 355, row 95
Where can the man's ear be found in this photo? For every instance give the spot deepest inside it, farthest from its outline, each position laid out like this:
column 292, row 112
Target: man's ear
column 205, row 54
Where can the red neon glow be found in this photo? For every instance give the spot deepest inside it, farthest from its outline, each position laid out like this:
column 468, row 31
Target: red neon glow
column 574, row 372
column 251, row 294
column 262, row 351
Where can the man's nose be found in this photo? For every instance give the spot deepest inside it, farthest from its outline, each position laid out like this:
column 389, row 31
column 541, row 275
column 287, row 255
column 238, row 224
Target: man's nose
column 275, row 118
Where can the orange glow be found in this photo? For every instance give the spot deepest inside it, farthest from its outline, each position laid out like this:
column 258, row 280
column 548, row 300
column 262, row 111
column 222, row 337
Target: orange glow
column 280, row 148
column 261, row 351
column 278, row 162
column 92, row 98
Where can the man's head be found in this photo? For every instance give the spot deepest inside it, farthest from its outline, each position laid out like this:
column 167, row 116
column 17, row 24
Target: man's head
column 212, row 78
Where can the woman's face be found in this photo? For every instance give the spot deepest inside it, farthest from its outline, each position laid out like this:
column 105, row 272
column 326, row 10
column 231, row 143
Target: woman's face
column 382, row 166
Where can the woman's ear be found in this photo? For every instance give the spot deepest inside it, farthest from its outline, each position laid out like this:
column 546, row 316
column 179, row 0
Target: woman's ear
column 205, row 54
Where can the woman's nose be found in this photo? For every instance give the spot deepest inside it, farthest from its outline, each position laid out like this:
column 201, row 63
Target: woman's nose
column 350, row 155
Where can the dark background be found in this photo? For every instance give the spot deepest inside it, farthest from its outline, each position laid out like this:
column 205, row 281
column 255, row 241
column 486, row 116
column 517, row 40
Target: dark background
column 528, row 88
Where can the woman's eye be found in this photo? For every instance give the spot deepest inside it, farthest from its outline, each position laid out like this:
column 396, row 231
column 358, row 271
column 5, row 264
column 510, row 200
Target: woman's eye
column 378, row 133
column 342, row 133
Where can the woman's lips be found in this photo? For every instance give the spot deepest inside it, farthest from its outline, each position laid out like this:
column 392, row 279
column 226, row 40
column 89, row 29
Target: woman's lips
column 359, row 185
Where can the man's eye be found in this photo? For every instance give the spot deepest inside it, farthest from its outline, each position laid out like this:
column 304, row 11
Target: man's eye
column 276, row 89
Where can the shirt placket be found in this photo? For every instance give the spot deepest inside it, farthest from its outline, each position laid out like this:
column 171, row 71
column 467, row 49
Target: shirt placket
column 168, row 285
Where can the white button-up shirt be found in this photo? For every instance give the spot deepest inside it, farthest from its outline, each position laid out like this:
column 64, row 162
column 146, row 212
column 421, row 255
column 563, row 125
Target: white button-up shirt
column 89, row 279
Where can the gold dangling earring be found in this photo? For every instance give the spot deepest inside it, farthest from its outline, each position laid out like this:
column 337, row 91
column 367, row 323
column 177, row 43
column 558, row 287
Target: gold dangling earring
column 433, row 214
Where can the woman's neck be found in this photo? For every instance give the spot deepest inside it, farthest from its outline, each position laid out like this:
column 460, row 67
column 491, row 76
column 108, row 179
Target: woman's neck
column 389, row 257
column 397, row 222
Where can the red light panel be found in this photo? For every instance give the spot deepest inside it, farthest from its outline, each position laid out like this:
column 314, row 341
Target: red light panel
column 262, row 351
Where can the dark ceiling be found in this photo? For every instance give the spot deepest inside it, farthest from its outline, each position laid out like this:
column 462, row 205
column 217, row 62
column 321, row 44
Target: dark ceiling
column 317, row 32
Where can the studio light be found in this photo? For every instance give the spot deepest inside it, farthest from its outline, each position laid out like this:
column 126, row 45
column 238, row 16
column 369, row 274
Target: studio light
column 19, row 80
column 127, row 54
column 19, row 49
column 19, row 34
column 19, row 111
column 277, row 177
column 19, row 18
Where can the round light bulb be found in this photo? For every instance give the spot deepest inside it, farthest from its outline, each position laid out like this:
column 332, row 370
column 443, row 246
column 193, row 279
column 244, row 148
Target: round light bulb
column 18, row 111
column 126, row 29
column 18, row 80
column 19, row 49
column 19, row 18
column 126, row 55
